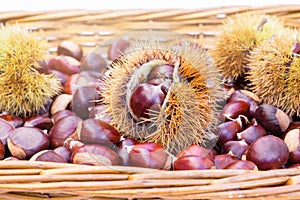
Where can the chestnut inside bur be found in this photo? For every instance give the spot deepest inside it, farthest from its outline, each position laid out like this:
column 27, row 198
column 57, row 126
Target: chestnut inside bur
column 24, row 142
column 161, row 71
column 268, row 152
column 145, row 97
column 95, row 131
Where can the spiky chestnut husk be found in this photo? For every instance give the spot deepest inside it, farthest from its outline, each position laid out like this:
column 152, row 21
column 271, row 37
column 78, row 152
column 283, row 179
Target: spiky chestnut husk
column 23, row 90
column 239, row 35
column 188, row 113
column 275, row 71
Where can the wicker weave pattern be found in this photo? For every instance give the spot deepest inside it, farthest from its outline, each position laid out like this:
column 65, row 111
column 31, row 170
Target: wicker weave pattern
column 37, row 180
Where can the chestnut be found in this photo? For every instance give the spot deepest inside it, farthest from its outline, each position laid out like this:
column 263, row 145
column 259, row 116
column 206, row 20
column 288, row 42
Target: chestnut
column 70, row 48
column 233, row 109
column 273, row 119
column 122, row 149
column 223, row 160
column 47, row 156
column 161, row 71
column 63, row 129
column 268, row 152
column 236, row 148
column 60, row 75
column 145, row 97
column 16, row 121
column 94, row 154
column 192, row 162
column 63, row 152
column 83, row 99
column 61, row 114
column 64, row 64
column 38, row 121
column 61, row 102
column 2, row 150
column 242, row 164
column 251, row 133
column 98, row 112
column 227, row 131
column 248, row 97
column 196, row 150
column 118, row 47
column 5, row 129
column 149, row 155
column 23, row 142
column 93, row 62
column 292, row 139
column 95, row 131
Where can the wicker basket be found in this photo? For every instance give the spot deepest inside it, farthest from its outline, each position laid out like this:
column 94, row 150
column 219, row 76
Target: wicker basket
column 37, row 180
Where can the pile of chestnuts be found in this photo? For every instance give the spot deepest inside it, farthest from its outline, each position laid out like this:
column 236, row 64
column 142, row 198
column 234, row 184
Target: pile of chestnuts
column 252, row 135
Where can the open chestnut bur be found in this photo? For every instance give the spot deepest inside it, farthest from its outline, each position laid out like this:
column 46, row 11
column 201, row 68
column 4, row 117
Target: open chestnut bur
column 163, row 93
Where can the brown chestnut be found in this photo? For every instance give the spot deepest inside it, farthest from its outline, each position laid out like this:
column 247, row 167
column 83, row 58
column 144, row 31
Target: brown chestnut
column 235, row 148
column 227, row 131
column 93, row 62
column 161, row 71
column 192, row 162
column 223, row 160
column 196, row 150
column 98, row 112
column 83, row 99
column 145, row 97
column 273, row 119
column 94, row 154
column 47, row 156
column 118, row 47
column 292, row 139
column 63, row 129
column 5, row 129
column 2, row 150
column 70, row 48
column 242, row 164
column 95, row 131
column 233, row 109
column 268, row 152
column 61, row 102
column 63, row 152
column 61, row 114
column 60, row 75
column 16, row 121
column 149, row 155
column 64, row 64
column 248, row 97
column 251, row 133
column 122, row 150
column 24, row 142
column 38, row 121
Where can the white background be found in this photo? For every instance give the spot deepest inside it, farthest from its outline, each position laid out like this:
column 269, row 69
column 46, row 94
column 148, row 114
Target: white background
column 42, row 5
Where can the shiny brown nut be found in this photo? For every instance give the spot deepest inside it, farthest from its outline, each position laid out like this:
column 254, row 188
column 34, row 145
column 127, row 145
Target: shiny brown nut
column 2, row 150
column 5, row 129
column 47, row 156
column 16, row 121
column 197, row 150
column 223, row 160
column 94, row 131
column 70, row 48
column 192, row 162
column 94, row 154
column 61, row 114
column 242, row 164
column 63, row 152
column 235, row 148
column 93, row 62
column 227, row 131
column 64, row 64
column 117, row 48
column 251, row 133
column 63, row 129
column 272, row 119
column 61, row 102
column 233, row 109
column 38, row 121
column 24, row 142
